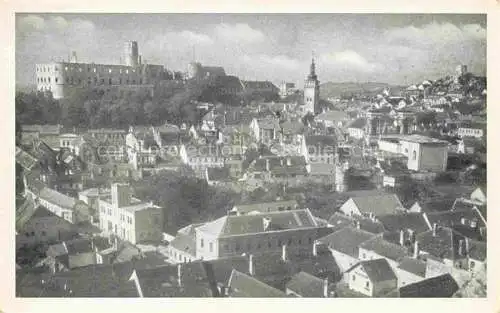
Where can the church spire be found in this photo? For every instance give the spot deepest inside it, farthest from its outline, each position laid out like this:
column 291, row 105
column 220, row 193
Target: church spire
column 312, row 71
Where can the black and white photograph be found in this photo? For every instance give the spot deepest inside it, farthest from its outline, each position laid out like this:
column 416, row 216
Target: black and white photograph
column 255, row 155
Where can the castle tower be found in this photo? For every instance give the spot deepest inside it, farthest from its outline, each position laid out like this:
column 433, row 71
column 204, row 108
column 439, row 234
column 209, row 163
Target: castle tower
column 131, row 53
column 311, row 91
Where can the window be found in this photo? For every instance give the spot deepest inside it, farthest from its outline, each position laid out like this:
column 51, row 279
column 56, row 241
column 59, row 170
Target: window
column 211, row 247
column 353, row 277
column 290, row 241
column 414, row 155
column 237, row 247
column 472, row 264
column 32, row 233
column 367, row 285
column 201, row 243
column 249, row 246
column 56, row 79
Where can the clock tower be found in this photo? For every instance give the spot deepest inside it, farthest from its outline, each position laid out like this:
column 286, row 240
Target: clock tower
column 311, row 91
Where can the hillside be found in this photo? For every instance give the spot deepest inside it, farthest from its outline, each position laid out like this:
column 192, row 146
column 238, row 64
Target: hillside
column 347, row 89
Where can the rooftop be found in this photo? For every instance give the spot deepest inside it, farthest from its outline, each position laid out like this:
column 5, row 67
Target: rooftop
column 253, row 224
column 414, row 266
column 57, row 198
column 306, row 285
column 378, row 270
column 384, row 248
column 379, row 204
column 346, row 240
column 436, row 287
column 424, row 140
column 242, row 285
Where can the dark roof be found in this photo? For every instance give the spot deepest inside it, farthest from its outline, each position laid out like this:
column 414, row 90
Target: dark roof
column 450, row 218
column 379, row 204
column 77, row 246
column 442, row 286
column 397, row 222
column 378, row 270
column 444, row 245
column 306, row 285
column 242, row 285
column 26, row 160
column 384, row 248
column 163, row 281
column 414, row 266
column 223, row 267
column 218, row 173
column 322, row 141
column 258, row 84
column 477, row 250
column 347, row 240
column 358, row 123
column 46, row 129
column 339, row 221
column 25, row 212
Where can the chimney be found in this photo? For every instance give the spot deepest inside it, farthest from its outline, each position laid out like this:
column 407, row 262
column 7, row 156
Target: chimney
column 283, row 253
column 411, row 235
column 325, row 288
column 315, row 248
column 434, row 229
column 266, row 221
column 462, row 220
column 415, row 250
column 402, row 237
column 115, row 243
column 461, row 244
column 250, row 264
column 179, row 274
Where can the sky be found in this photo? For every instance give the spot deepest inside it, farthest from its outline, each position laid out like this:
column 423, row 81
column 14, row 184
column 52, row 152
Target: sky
column 389, row 48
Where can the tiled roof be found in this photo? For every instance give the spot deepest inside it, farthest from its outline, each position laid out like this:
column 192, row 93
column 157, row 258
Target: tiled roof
column 77, row 246
column 292, row 127
column 57, row 198
column 384, row 248
column 339, row 221
column 24, row 159
column 163, row 281
column 306, row 285
column 251, row 224
column 414, row 266
column 477, row 250
column 346, row 240
column 223, row 267
column 322, row 169
column 444, row 245
column 450, row 218
column 436, row 287
column 379, row 204
column 242, row 285
column 25, row 212
column 397, row 222
column 378, row 270
column 258, row 84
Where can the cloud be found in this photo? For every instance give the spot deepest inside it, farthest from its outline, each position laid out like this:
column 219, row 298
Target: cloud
column 272, row 62
column 433, row 33
column 239, row 33
column 348, row 60
column 195, row 38
column 31, row 23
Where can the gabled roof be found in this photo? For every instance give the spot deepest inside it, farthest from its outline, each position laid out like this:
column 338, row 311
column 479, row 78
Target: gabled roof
column 384, row 248
column 444, row 245
column 339, row 221
column 450, row 218
column 414, row 266
column 322, row 141
column 242, row 285
column 346, row 240
column 378, row 270
column 25, row 212
column 268, row 123
column 26, row 160
column 379, row 204
column 436, row 287
column 306, row 285
column 164, row 281
column 184, row 243
column 57, row 198
column 397, row 222
column 223, row 267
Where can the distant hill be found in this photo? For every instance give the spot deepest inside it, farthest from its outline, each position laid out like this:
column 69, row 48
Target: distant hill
column 331, row 89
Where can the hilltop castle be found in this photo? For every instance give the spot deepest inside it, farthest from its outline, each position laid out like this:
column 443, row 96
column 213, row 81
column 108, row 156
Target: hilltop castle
column 61, row 78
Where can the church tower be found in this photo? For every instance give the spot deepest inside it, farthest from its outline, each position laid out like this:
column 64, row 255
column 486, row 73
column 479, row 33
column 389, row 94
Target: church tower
column 311, row 91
